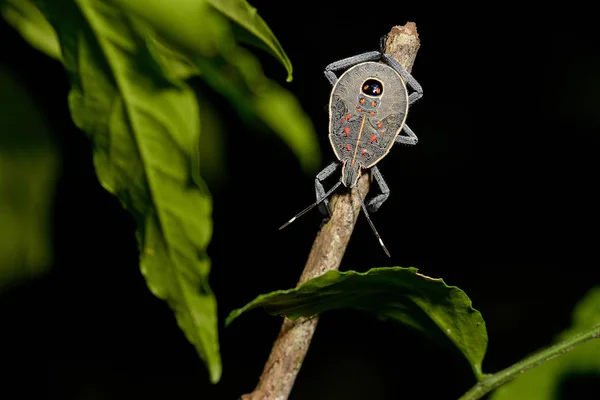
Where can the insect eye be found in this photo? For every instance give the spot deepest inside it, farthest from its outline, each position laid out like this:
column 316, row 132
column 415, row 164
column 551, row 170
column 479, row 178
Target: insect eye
column 372, row 87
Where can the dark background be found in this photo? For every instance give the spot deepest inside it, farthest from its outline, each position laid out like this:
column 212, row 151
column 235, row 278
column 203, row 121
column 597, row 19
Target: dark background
column 498, row 198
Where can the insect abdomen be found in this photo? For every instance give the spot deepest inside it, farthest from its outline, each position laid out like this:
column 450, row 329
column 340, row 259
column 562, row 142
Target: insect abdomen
column 372, row 93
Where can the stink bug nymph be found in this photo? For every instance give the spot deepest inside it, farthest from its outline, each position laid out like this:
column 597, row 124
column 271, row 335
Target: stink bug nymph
column 367, row 110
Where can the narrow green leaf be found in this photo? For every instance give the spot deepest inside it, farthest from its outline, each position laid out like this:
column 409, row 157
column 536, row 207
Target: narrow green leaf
column 261, row 35
column 27, row 19
column 144, row 129
column 543, row 381
column 401, row 294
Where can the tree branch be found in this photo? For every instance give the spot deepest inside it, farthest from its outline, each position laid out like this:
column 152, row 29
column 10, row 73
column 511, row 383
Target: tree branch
column 292, row 344
column 491, row 382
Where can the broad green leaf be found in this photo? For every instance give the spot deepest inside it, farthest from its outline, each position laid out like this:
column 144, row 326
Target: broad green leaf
column 144, row 130
column 28, row 173
column 542, row 382
column 211, row 44
column 26, row 18
column 401, row 294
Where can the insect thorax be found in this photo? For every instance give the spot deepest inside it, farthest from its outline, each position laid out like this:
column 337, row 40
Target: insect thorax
column 367, row 109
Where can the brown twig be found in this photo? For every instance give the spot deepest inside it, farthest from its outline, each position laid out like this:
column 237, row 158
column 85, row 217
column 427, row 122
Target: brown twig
column 292, row 344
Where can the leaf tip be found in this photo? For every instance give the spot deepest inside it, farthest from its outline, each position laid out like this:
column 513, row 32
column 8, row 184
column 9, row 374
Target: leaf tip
column 232, row 315
column 215, row 371
column 289, row 77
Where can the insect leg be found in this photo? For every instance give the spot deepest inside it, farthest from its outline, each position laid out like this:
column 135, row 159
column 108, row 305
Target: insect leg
column 376, row 202
column 320, row 190
column 382, row 42
column 313, row 205
column 348, row 62
column 362, row 204
column 411, row 139
column 410, row 81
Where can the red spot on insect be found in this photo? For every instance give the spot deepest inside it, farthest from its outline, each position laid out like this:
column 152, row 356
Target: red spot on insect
column 362, row 101
column 348, row 147
column 365, row 87
column 377, row 90
column 358, row 109
column 348, row 117
column 342, row 121
column 382, row 133
column 379, row 125
column 373, row 138
column 374, row 103
column 347, row 131
column 372, row 112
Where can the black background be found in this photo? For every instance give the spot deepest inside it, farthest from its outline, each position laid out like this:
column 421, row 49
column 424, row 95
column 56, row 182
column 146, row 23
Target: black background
column 498, row 198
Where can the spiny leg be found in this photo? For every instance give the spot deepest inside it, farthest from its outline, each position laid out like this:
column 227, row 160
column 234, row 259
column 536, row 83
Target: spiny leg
column 320, row 190
column 348, row 62
column 374, row 203
column 412, row 82
column 410, row 140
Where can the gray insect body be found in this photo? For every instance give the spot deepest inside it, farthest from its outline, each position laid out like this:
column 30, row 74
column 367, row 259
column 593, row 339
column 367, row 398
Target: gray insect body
column 367, row 112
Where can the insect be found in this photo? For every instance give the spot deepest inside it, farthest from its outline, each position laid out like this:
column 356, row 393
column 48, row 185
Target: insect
column 367, row 112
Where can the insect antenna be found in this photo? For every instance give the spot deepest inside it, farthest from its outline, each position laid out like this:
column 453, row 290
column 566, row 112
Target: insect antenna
column 307, row 209
column 362, row 203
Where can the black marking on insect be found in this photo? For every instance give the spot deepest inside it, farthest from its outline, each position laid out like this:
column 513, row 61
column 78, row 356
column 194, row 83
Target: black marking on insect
column 367, row 112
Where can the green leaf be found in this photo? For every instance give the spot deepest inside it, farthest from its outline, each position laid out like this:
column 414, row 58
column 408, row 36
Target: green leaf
column 28, row 173
column 401, row 294
column 144, row 128
column 240, row 79
column 27, row 19
column 261, row 35
column 542, row 382
column 195, row 33
column 196, row 27
column 175, row 64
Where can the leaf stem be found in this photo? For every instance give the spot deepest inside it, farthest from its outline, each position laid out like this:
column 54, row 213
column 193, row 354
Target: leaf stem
column 292, row 344
column 492, row 381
